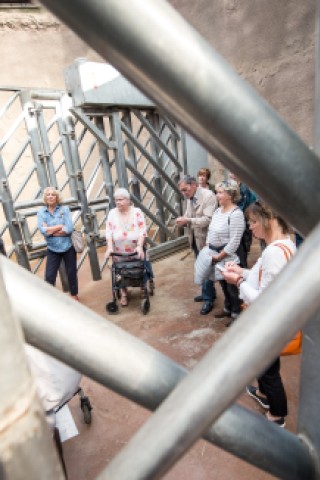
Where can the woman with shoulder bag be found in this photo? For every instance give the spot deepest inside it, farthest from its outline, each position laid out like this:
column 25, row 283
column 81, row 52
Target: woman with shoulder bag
column 55, row 224
column 271, row 228
column 224, row 236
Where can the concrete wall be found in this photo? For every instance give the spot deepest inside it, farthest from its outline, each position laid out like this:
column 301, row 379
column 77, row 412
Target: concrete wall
column 269, row 42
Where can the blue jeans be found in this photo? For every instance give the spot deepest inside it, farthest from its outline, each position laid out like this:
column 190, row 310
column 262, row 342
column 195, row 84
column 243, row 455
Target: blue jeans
column 208, row 291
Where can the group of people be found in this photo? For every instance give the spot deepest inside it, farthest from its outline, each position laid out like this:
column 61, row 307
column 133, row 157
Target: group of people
column 220, row 219
column 222, row 224
column 126, row 232
column 215, row 218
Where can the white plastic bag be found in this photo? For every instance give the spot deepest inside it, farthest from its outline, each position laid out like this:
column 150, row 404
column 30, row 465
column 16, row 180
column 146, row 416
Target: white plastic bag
column 203, row 267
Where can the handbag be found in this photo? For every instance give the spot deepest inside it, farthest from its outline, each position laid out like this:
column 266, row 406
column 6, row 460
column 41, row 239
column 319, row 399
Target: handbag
column 77, row 241
column 294, row 347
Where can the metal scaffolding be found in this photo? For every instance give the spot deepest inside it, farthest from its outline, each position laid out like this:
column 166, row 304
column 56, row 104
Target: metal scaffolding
column 257, row 145
column 86, row 152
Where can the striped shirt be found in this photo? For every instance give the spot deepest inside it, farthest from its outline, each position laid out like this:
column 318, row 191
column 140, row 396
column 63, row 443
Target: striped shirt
column 226, row 230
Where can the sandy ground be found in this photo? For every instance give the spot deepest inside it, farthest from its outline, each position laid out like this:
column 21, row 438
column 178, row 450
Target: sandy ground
column 174, row 327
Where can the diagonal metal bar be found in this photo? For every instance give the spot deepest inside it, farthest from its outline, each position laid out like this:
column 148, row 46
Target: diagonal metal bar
column 308, row 413
column 153, row 217
column 8, row 104
column 203, row 395
column 150, row 188
column 92, row 128
column 149, row 157
column 253, row 136
column 168, row 123
column 80, row 338
column 156, row 138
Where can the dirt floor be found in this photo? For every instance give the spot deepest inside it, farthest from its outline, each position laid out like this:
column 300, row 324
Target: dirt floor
column 174, row 327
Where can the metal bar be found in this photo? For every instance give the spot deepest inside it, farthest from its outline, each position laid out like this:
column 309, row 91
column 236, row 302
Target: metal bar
column 132, row 155
column 105, row 162
column 18, row 156
column 156, row 138
column 251, row 133
column 23, row 429
column 308, row 412
column 46, row 148
column 203, row 395
column 12, row 219
column 168, row 248
column 150, row 188
column 171, row 126
column 92, row 128
column 148, row 157
column 86, row 214
column 153, row 217
column 80, row 338
column 36, row 149
column 11, row 130
column 160, row 199
column 119, row 153
column 8, row 104
column 26, row 180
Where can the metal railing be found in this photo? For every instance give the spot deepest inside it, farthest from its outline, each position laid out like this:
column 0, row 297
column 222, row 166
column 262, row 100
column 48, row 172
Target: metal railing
column 257, row 145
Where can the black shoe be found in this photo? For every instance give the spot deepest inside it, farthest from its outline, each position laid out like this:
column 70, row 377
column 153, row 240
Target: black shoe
column 233, row 318
column 229, row 322
column 198, row 298
column 222, row 314
column 252, row 392
column 206, row 308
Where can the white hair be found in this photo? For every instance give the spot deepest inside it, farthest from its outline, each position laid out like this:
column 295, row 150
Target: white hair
column 121, row 192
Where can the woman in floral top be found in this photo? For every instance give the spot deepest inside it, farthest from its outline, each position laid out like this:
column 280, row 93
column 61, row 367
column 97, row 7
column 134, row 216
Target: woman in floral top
column 125, row 232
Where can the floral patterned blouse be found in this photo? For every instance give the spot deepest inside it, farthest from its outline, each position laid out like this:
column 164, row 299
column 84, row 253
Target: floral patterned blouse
column 125, row 234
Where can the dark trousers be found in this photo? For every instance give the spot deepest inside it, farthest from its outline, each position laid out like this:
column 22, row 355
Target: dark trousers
column 53, row 263
column 231, row 297
column 270, row 384
column 208, row 291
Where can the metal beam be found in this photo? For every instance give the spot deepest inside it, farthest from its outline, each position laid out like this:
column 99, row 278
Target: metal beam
column 308, row 412
column 80, row 338
column 255, row 139
column 24, row 434
column 217, row 380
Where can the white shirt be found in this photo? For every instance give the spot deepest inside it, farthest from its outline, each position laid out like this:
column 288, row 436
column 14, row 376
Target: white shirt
column 270, row 263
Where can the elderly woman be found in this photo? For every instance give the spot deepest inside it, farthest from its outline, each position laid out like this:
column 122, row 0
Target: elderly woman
column 55, row 224
column 224, row 236
column 271, row 228
column 125, row 232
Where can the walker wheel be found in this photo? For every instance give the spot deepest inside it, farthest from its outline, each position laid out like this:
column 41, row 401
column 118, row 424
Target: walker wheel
column 151, row 287
column 112, row 307
column 86, row 414
column 145, row 306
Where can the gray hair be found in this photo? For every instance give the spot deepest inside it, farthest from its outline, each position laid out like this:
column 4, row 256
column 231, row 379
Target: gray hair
column 188, row 179
column 231, row 187
column 121, row 192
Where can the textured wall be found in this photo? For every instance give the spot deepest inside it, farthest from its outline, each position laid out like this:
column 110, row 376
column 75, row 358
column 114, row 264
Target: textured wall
column 268, row 42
